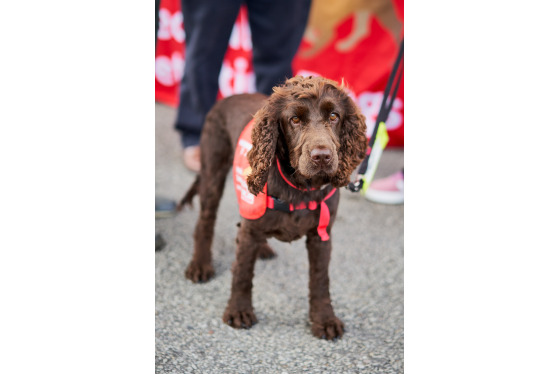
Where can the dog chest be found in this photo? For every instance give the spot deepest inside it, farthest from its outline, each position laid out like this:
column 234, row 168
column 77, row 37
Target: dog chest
column 290, row 226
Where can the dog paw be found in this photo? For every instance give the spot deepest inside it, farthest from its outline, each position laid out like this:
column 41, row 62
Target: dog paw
column 239, row 319
column 199, row 272
column 266, row 253
column 331, row 329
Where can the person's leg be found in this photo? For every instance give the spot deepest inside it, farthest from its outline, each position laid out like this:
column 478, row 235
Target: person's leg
column 208, row 25
column 157, row 18
column 276, row 29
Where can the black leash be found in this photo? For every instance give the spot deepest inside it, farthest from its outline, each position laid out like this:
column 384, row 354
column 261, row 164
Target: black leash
column 382, row 116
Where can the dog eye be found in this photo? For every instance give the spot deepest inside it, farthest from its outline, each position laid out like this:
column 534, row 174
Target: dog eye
column 295, row 120
column 333, row 117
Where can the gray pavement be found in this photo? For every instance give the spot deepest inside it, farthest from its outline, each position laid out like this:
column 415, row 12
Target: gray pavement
column 366, row 275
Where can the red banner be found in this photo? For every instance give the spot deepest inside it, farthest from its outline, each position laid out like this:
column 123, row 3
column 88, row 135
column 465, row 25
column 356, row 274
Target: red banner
column 355, row 40
column 170, row 52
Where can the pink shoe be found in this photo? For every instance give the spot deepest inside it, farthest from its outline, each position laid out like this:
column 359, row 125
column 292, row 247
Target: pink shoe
column 388, row 190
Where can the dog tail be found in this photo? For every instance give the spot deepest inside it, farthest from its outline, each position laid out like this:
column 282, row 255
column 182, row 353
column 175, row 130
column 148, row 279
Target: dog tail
column 191, row 193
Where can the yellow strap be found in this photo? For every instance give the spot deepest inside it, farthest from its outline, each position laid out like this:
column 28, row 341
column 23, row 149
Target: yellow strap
column 381, row 140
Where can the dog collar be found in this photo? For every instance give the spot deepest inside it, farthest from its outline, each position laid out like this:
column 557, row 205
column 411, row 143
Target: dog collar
column 291, row 184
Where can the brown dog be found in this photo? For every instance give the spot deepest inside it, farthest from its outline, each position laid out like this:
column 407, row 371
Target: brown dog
column 307, row 139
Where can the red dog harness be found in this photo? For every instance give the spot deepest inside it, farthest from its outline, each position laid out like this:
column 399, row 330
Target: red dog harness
column 254, row 207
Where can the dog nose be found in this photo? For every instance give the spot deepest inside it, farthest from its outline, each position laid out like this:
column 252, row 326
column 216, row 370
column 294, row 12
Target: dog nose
column 321, row 156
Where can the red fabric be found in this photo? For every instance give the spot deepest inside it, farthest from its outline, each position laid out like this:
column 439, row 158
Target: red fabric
column 237, row 74
column 170, row 52
column 367, row 64
column 250, row 206
column 324, row 217
column 352, row 40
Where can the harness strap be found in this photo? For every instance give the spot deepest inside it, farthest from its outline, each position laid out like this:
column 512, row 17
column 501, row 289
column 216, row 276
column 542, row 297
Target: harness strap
column 324, row 215
column 324, row 218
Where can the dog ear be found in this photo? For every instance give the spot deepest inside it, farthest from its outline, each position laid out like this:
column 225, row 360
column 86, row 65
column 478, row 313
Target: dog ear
column 264, row 138
column 353, row 142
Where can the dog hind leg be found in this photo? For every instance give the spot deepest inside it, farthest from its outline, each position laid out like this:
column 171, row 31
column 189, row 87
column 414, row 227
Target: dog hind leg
column 215, row 164
column 265, row 252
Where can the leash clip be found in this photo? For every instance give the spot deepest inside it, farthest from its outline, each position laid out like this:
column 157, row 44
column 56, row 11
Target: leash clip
column 280, row 205
column 356, row 186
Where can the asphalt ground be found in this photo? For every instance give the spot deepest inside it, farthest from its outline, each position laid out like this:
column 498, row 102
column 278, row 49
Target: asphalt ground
column 366, row 275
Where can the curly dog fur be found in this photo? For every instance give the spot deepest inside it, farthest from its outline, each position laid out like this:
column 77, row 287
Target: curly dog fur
column 317, row 133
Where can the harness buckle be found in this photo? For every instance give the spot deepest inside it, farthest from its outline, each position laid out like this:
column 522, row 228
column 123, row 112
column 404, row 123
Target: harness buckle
column 281, row 205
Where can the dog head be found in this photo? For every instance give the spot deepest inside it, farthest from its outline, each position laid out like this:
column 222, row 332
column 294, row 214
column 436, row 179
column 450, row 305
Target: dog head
column 316, row 124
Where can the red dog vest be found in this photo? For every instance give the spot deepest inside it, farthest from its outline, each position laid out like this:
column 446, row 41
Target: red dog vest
column 254, row 207
column 250, row 206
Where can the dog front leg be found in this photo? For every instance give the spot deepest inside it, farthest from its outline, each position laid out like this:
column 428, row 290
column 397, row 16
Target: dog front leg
column 239, row 312
column 324, row 324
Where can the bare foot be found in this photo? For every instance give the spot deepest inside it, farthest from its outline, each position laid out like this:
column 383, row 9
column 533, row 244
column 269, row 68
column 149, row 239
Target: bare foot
column 191, row 158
